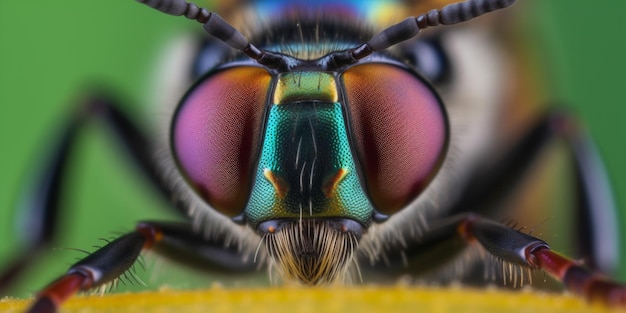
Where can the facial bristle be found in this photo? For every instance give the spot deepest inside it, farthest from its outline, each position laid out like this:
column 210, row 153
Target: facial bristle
column 311, row 252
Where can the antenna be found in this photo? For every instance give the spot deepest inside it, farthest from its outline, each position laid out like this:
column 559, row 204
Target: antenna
column 216, row 26
column 451, row 14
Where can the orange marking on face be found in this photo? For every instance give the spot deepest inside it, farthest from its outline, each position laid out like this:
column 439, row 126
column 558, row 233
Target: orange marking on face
column 330, row 185
column 279, row 185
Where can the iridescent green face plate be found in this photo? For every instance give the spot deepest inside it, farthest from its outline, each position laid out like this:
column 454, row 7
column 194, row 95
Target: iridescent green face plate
column 306, row 168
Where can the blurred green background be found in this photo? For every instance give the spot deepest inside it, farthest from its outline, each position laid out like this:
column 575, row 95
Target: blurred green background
column 51, row 50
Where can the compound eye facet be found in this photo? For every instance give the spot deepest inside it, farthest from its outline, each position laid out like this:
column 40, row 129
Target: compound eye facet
column 399, row 129
column 216, row 132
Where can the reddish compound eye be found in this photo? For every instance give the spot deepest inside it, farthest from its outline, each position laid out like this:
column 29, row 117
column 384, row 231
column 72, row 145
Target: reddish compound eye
column 216, row 132
column 400, row 132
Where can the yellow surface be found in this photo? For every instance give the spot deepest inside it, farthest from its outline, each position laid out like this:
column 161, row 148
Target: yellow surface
column 349, row 300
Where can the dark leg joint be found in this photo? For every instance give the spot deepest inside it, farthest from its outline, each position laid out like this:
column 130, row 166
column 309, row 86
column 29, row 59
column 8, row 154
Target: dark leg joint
column 503, row 242
column 112, row 260
column 99, row 268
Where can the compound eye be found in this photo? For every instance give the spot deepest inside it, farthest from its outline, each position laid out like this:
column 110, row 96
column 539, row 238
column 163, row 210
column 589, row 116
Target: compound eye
column 216, row 132
column 399, row 130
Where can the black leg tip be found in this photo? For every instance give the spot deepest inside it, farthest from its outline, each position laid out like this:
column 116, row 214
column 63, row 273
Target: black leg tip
column 43, row 305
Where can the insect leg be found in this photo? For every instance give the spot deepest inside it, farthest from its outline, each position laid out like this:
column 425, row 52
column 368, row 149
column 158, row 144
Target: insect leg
column 42, row 206
column 445, row 239
column 522, row 249
column 174, row 240
column 597, row 235
column 489, row 189
column 212, row 253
